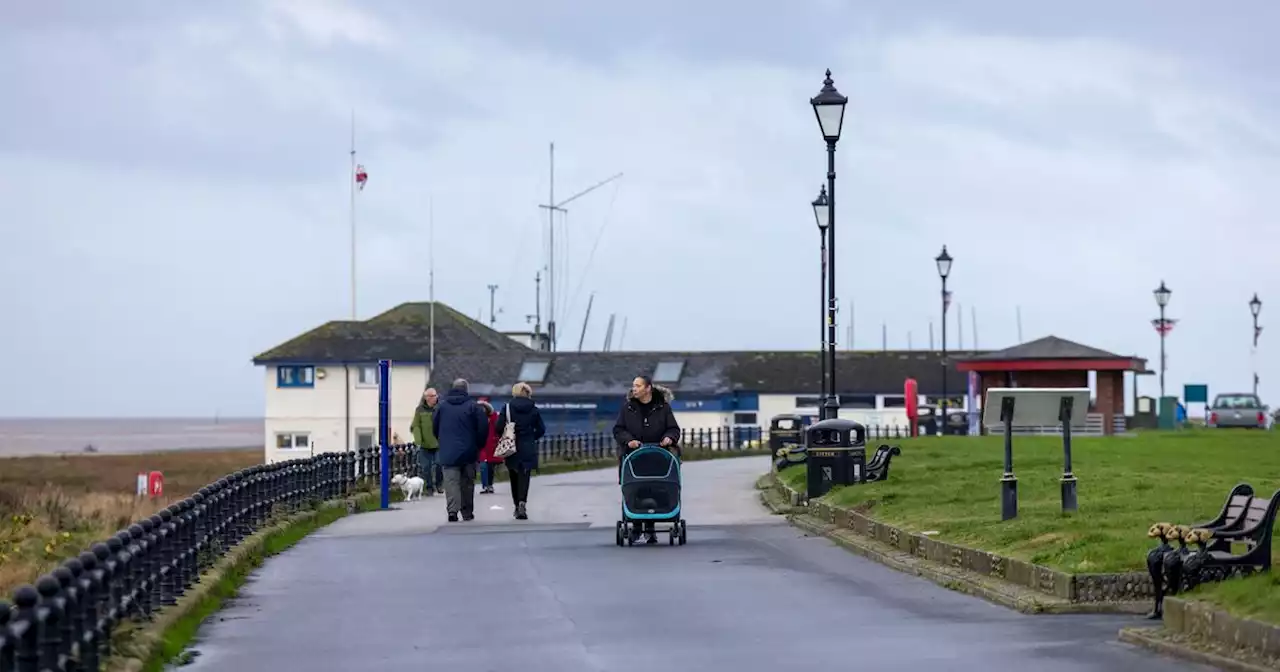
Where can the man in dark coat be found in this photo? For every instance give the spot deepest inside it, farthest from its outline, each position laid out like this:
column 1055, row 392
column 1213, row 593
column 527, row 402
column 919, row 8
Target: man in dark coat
column 461, row 427
column 646, row 417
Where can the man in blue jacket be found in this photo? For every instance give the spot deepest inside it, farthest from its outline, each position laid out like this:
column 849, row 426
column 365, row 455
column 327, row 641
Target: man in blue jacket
column 461, row 427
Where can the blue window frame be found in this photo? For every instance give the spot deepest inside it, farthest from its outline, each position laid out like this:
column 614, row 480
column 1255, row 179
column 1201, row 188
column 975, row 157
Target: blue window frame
column 295, row 376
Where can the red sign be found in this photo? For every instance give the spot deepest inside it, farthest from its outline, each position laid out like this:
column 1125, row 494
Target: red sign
column 912, row 398
column 155, row 484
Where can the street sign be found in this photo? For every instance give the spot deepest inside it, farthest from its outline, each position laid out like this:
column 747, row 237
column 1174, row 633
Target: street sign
column 1195, row 394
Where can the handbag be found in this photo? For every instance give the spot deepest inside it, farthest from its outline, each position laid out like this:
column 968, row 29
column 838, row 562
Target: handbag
column 507, row 442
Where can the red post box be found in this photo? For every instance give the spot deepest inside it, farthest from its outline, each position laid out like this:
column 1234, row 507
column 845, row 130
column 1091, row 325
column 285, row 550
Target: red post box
column 913, row 407
column 155, row 484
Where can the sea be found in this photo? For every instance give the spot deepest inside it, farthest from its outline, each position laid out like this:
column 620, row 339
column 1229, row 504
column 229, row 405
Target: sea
column 52, row 436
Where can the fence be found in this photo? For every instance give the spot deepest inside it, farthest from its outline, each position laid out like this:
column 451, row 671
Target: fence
column 64, row 622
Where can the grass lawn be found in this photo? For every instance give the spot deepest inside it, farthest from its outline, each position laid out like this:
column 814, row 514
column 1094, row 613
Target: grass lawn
column 951, row 485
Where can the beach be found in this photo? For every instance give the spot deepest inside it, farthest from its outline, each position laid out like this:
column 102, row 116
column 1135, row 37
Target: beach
column 52, row 436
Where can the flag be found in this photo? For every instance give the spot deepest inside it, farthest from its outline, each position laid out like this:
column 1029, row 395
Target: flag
column 361, row 177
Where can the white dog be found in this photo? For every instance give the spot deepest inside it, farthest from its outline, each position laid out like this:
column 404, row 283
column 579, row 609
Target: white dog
column 410, row 486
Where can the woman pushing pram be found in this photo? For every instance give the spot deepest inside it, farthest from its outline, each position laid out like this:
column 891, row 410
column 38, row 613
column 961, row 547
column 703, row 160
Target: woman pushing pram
column 646, row 418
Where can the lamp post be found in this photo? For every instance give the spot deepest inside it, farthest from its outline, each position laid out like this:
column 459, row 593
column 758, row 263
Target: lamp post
column 1163, row 326
column 1255, row 307
column 828, row 107
column 944, row 269
column 822, row 215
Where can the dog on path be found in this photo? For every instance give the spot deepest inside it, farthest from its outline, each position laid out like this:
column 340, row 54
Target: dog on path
column 410, row 486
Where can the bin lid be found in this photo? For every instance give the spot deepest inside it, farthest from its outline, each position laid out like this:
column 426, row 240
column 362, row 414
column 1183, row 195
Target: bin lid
column 838, row 423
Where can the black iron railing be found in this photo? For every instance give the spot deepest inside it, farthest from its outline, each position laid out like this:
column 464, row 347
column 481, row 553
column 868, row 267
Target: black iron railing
column 64, row 623
column 600, row 446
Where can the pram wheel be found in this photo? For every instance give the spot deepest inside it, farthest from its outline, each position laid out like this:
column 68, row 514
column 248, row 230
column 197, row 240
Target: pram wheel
column 671, row 538
column 684, row 533
column 621, row 533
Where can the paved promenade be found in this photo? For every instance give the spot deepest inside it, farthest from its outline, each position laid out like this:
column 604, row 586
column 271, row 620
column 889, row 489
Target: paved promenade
column 404, row 590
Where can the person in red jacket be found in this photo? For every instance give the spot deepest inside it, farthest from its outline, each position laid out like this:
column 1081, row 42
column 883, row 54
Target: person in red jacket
column 489, row 463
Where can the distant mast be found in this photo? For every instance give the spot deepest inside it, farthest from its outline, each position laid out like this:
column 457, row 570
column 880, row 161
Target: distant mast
column 431, row 283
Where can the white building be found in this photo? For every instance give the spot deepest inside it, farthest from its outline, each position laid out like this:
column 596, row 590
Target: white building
column 322, row 392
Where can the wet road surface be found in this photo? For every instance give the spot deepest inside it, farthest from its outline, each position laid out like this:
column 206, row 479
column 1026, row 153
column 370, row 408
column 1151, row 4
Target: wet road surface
column 402, row 589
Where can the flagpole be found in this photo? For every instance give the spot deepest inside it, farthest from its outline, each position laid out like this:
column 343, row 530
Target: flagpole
column 351, row 177
column 431, row 278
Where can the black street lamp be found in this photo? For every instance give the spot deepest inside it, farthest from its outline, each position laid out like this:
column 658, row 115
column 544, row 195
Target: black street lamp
column 944, row 269
column 822, row 215
column 1163, row 326
column 1255, row 307
column 828, row 107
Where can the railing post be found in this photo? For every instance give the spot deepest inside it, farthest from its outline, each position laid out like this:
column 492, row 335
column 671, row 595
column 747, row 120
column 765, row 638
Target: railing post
column 132, row 562
column 91, row 591
column 49, row 615
column 165, row 533
column 69, row 600
column 7, row 644
column 26, row 629
column 109, row 592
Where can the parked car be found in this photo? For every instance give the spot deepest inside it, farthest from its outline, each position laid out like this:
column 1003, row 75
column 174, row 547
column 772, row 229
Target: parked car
column 1237, row 410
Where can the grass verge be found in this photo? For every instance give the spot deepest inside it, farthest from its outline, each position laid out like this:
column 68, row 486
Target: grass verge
column 950, row 485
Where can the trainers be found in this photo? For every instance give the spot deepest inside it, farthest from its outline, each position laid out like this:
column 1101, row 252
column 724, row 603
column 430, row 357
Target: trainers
column 521, row 513
column 468, row 516
column 453, row 517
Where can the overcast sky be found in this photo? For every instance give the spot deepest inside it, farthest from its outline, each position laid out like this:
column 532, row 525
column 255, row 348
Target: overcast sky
column 175, row 178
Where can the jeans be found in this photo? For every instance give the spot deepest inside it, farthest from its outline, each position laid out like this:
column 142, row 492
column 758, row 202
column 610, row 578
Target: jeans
column 460, row 490
column 487, row 471
column 432, row 473
column 519, row 483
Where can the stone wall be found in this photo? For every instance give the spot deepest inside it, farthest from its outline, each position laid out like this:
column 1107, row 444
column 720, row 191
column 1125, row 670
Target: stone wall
column 1127, row 587
column 1205, row 621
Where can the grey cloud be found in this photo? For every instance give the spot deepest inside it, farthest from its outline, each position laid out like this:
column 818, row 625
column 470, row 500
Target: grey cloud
column 176, row 184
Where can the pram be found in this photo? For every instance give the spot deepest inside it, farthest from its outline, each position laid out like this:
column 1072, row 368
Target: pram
column 650, row 482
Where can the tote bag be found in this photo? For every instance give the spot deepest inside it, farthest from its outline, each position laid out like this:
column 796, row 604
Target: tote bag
column 507, row 442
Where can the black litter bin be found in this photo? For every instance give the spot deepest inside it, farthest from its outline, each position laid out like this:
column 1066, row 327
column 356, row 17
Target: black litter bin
column 785, row 430
column 837, row 455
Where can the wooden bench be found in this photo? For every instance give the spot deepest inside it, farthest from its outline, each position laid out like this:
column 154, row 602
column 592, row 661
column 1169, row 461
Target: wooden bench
column 1204, row 550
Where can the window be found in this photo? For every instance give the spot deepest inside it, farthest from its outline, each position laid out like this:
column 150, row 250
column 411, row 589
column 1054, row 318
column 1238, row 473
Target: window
column 533, row 372
column 295, row 376
column 293, row 440
column 744, row 418
column 952, row 402
column 367, row 376
column 895, row 401
column 867, row 401
column 364, row 438
column 668, row 372
column 1237, row 401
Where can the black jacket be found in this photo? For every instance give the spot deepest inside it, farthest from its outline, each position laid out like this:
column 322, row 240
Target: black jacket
column 647, row 423
column 529, row 428
column 462, row 428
